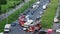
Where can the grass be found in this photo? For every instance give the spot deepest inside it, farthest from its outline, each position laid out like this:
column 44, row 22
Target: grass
column 47, row 18
column 15, row 15
column 8, row 6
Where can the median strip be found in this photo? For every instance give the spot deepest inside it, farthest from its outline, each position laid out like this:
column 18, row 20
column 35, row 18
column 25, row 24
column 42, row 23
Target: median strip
column 47, row 18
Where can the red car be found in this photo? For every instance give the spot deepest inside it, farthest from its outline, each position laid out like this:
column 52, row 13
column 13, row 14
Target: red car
column 49, row 31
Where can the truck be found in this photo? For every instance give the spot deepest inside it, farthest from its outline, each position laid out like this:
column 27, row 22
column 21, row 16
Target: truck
column 7, row 28
column 29, row 24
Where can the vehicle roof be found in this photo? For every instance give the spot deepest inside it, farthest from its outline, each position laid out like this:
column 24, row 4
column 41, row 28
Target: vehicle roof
column 29, row 22
column 38, row 2
column 7, row 25
column 1, row 33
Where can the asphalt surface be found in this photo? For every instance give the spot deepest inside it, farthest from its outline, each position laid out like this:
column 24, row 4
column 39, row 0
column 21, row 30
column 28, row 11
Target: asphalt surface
column 18, row 29
column 56, row 25
column 3, row 16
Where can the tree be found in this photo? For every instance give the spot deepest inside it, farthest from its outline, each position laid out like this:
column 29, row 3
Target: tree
column 2, row 2
column 23, row 0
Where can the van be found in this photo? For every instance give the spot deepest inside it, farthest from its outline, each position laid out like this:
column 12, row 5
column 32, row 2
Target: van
column 7, row 28
column 56, row 20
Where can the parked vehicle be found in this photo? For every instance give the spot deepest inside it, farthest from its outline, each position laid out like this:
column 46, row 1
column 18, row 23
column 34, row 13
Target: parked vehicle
column 34, row 6
column 56, row 20
column 41, row 13
column 1, row 33
column 58, row 30
column 13, row 24
column 7, row 28
column 42, row 32
column 38, row 2
column 45, row 6
column 50, row 31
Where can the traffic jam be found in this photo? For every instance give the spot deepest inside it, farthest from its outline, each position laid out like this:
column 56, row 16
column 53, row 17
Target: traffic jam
column 29, row 22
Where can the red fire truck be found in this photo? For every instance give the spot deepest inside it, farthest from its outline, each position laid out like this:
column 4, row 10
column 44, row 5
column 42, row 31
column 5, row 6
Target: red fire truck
column 29, row 24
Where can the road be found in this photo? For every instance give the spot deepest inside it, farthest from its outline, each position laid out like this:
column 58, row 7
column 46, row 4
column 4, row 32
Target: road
column 3, row 16
column 56, row 25
column 18, row 29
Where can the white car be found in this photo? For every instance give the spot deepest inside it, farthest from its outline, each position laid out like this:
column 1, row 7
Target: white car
column 24, row 29
column 1, row 33
column 34, row 6
column 7, row 28
column 58, row 30
column 41, row 13
column 45, row 6
column 56, row 20
column 38, row 2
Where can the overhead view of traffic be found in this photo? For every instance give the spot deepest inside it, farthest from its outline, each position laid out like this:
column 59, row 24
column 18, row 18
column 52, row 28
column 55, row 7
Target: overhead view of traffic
column 29, row 16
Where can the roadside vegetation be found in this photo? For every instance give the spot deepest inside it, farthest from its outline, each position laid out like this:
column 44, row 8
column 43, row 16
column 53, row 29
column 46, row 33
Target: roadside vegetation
column 15, row 15
column 48, row 16
column 59, row 15
column 10, row 5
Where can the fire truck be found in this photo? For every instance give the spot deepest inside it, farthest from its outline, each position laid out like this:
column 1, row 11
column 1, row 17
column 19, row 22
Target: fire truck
column 28, row 24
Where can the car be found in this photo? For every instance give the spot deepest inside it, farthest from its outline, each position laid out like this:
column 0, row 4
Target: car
column 42, row 32
column 34, row 6
column 45, row 6
column 7, row 28
column 56, row 20
column 1, row 33
column 38, row 17
column 13, row 24
column 38, row 2
column 49, row 31
column 41, row 13
column 58, row 30
column 24, row 29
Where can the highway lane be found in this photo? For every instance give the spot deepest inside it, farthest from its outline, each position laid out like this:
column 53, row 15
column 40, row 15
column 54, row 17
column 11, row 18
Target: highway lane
column 18, row 29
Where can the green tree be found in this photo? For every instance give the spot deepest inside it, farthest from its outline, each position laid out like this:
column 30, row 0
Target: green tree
column 2, row 2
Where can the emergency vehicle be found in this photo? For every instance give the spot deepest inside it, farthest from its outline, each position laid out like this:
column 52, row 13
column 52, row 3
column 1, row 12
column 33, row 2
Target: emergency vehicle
column 28, row 23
